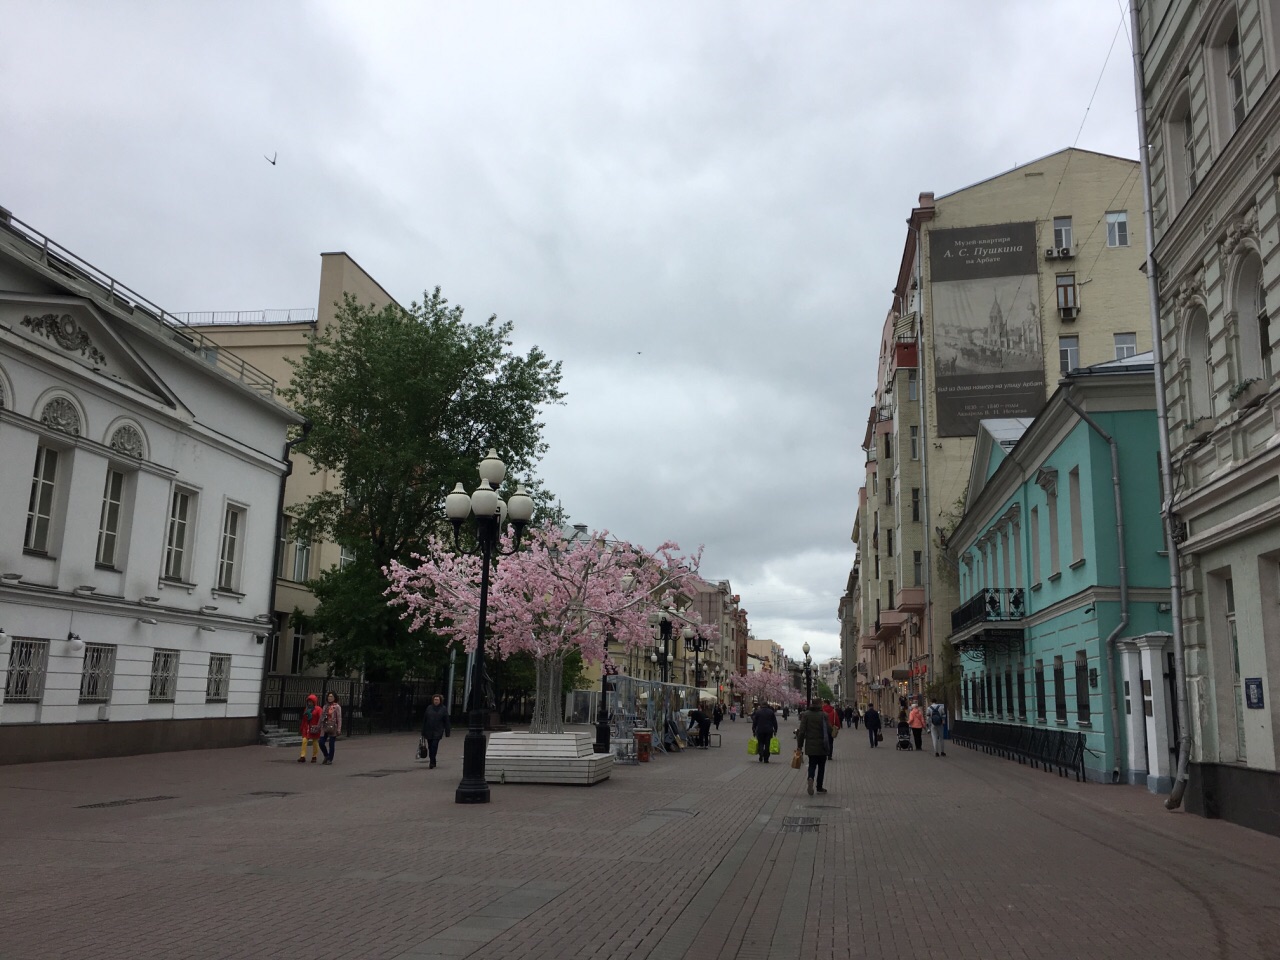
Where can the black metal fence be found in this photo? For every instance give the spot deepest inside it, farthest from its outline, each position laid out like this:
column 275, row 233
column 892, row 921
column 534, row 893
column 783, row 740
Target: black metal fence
column 1061, row 750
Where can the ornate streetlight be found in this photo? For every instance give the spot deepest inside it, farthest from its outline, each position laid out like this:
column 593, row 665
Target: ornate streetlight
column 693, row 638
column 661, row 634
column 808, row 676
column 490, row 513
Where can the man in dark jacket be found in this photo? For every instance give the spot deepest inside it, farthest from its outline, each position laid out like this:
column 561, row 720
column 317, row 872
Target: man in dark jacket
column 764, row 726
column 813, row 735
column 435, row 725
column 871, row 718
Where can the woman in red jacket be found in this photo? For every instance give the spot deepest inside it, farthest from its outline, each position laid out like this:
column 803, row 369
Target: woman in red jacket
column 309, row 729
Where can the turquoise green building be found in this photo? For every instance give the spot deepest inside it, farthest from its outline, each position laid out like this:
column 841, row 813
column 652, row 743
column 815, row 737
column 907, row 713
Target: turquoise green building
column 1064, row 624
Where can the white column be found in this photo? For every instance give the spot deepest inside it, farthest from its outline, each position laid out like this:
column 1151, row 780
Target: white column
column 1158, row 710
column 1132, row 716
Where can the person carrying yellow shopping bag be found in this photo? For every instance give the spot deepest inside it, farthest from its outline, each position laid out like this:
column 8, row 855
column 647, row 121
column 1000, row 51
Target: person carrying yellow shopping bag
column 764, row 724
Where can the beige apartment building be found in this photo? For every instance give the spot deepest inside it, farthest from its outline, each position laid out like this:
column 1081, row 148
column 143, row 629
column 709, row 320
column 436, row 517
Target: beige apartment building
column 1002, row 287
column 1212, row 111
column 269, row 339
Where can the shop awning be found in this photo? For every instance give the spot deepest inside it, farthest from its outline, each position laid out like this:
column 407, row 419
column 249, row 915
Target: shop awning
column 901, row 671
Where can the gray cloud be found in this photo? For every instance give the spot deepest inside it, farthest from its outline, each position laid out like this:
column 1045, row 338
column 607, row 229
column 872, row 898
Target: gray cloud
column 697, row 207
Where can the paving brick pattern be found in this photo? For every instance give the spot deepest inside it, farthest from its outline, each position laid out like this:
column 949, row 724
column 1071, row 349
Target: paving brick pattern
column 967, row 856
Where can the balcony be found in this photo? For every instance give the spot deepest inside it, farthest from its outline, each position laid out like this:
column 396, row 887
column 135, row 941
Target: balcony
column 911, row 599
column 971, row 635
column 890, row 624
column 990, row 604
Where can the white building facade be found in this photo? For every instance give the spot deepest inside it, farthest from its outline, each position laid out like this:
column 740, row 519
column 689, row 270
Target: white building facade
column 1213, row 126
column 143, row 469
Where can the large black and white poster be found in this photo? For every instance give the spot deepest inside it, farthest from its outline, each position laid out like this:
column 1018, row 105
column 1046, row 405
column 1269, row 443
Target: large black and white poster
column 988, row 357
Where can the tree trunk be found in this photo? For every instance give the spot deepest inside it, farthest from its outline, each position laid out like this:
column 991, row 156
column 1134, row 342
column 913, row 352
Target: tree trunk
column 548, row 712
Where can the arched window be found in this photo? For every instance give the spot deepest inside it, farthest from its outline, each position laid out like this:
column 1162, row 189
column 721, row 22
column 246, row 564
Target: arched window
column 1248, row 301
column 1198, row 388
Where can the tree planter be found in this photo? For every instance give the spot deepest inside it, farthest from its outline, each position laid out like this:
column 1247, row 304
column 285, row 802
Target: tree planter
column 1200, row 430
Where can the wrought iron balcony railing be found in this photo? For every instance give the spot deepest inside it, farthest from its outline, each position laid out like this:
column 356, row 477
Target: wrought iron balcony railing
column 990, row 604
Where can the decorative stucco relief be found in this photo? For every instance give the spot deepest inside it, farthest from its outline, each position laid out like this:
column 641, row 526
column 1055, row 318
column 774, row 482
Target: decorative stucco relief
column 66, row 333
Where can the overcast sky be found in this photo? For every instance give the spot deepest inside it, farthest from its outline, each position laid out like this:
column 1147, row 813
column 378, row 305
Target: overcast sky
column 697, row 206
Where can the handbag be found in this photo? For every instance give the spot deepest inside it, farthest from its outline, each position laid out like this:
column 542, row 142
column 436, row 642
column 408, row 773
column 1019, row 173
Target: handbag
column 879, row 737
column 797, row 759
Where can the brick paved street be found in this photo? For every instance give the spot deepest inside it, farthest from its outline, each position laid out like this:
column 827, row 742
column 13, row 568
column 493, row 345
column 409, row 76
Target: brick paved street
column 245, row 853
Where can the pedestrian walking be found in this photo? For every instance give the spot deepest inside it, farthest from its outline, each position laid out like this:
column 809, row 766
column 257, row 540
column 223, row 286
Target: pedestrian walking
column 764, row 727
column 833, row 725
column 813, row 735
column 937, row 728
column 330, row 725
column 309, row 729
column 435, row 724
column 717, row 715
column 871, row 720
column 854, row 717
column 915, row 720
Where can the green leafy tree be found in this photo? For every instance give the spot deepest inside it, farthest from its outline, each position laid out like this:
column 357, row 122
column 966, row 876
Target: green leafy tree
column 403, row 403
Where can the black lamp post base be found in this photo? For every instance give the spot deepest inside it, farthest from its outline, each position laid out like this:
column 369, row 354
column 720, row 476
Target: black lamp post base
column 473, row 788
column 471, row 793
column 602, row 737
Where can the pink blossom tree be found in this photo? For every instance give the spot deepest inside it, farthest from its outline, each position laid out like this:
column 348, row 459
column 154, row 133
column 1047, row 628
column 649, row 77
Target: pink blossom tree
column 767, row 686
column 547, row 599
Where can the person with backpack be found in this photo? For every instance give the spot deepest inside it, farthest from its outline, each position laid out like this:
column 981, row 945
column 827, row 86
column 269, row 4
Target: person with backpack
column 937, row 728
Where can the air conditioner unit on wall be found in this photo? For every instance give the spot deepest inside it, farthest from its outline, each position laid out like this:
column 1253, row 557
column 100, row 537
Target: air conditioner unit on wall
column 1069, row 313
column 1051, row 254
column 1065, row 253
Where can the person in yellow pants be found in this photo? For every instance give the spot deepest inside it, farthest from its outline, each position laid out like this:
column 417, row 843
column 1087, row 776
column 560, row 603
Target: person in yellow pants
column 309, row 728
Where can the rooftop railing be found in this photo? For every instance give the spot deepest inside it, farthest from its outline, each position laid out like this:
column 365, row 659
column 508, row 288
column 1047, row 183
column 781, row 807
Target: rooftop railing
column 200, row 318
column 100, row 285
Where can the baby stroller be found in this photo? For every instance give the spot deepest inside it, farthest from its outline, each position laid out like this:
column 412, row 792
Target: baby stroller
column 904, row 736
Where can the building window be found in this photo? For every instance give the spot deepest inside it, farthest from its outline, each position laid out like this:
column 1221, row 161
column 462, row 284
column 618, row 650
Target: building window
column 109, row 521
column 1235, row 79
column 346, row 557
column 1061, row 232
column 999, row 697
column 913, row 385
column 164, row 676
column 96, row 672
column 915, row 443
column 1264, row 331
column 1059, row 690
column 229, row 553
column 917, row 569
column 1126, row 345
column 1068, row 354
column 988, row 700
column 1040, row 704
column 1118, row 228
column 1035, row 544
column 301, row 560
column 915, row 504
column 965, row 688
column 888, row 542
column 877, row 566
column 1082, row 687
column 1077, row 522
column 44, row 482
column 892, row 591
column 282, row 563
column 298, row 659
column 888, row 493
column 28, row 663
column 1066, row 286
column 1022, row 690
column 215, row 690
column 178, row 541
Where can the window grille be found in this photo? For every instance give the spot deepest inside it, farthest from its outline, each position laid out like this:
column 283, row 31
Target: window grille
column 219, row 678
column 164, row 676
column 28, row 663
column 1040, row 698
column 1082, row 686
column 97, row 672
column 1059, row 690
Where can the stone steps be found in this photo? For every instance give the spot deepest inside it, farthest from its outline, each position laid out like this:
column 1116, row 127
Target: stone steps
column 567, row 758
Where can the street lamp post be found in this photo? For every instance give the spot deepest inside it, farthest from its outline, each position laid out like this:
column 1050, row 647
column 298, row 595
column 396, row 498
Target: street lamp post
column 607, row 670
column 808, row 676
column 490, row 512
column 661, row 634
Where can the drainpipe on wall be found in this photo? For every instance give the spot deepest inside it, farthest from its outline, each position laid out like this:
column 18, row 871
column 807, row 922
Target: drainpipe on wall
column 1110, row 644
column 275, row 559
column 1174, row 799
column 926, row 559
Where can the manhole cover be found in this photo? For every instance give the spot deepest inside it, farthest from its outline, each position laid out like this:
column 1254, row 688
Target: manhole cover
column 122, row 803
column 271, row 793
column 800, row 824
